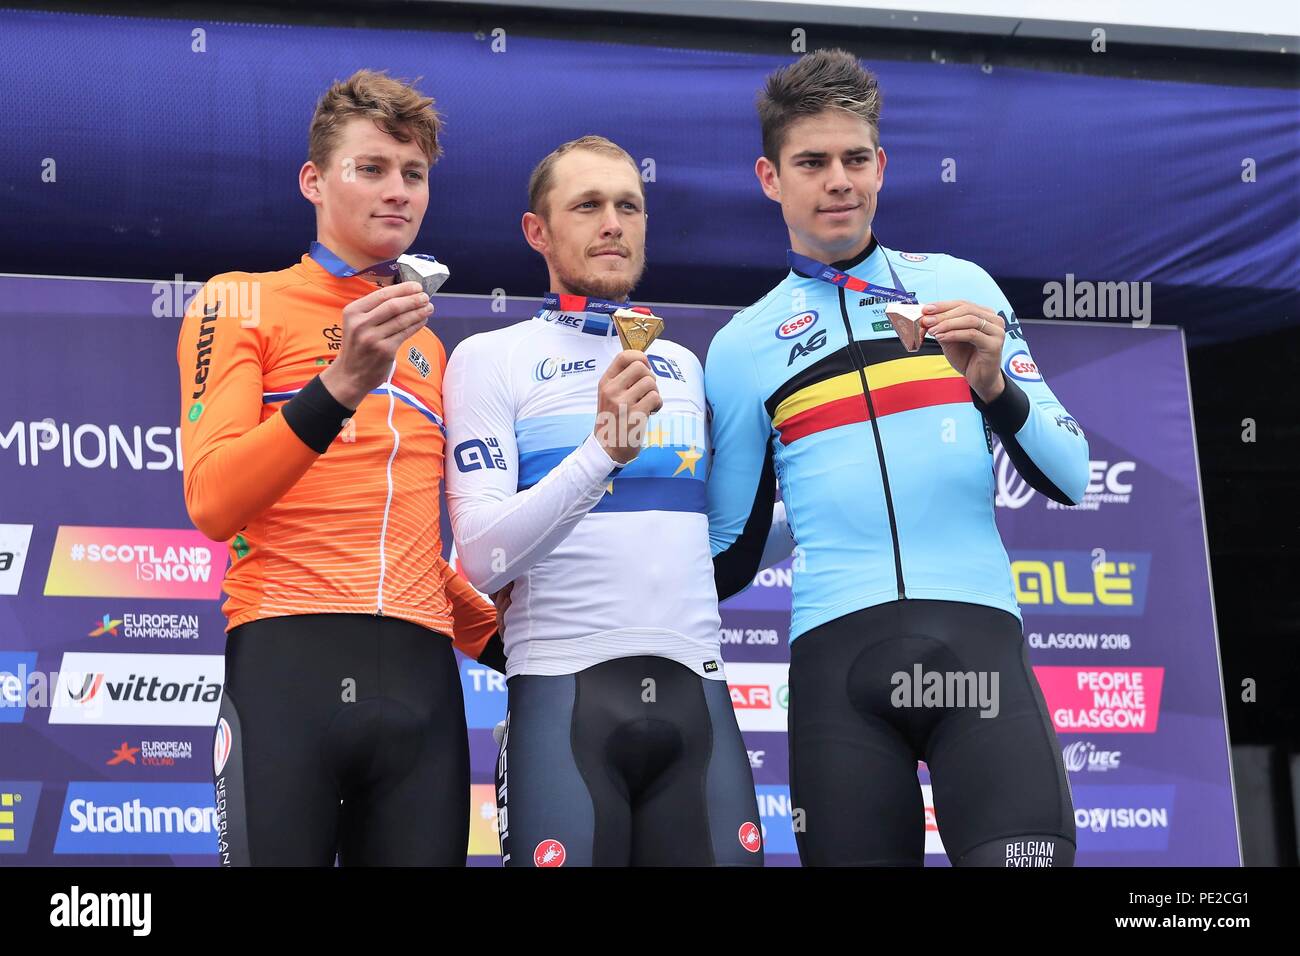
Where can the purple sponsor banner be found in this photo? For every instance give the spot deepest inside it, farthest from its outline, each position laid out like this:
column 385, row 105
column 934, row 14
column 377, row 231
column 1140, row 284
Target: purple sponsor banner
column 88, row 439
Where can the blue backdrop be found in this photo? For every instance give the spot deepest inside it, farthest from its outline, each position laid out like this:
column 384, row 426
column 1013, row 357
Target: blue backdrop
column 170, row 160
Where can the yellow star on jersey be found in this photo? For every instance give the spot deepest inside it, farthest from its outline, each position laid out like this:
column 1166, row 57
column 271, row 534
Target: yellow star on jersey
column 689, row 460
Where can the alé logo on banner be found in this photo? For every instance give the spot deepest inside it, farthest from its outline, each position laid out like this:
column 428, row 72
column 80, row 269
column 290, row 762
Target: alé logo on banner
column 18, row 801
column 548, row 368
column 1098, row 582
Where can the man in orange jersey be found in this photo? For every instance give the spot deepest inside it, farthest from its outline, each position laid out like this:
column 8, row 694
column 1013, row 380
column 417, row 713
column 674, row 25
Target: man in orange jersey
column 312, row 432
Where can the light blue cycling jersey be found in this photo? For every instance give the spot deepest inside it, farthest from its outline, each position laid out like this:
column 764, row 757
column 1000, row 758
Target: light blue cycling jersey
column 884, row 457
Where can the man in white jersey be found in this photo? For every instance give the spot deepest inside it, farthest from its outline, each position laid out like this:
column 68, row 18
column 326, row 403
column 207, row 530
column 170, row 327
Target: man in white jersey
column 621, row 746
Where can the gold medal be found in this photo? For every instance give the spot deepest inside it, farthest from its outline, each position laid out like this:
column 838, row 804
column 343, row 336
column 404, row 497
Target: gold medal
column 636, row 330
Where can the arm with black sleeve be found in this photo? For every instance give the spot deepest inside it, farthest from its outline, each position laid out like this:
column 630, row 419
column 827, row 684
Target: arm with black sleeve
column 1042, row 439
column 237, row 466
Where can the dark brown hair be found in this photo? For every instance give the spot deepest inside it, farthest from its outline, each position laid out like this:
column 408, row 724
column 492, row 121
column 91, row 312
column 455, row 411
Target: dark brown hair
column 822, row 80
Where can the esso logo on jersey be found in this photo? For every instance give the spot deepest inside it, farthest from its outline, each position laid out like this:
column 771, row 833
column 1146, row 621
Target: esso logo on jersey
column 1021, row 366
column 913, row 256
column 750, row 837
column 796, row 325
column 549, row 853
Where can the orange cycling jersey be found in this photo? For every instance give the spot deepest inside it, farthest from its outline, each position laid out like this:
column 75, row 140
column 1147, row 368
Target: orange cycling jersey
column 325, row 510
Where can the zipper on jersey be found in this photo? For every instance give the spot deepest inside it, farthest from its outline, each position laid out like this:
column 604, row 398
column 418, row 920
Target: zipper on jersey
column 861, row 361
column 388, row 503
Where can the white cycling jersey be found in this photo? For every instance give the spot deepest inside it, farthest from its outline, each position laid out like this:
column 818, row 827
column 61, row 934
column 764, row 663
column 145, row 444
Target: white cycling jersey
column 607, row 562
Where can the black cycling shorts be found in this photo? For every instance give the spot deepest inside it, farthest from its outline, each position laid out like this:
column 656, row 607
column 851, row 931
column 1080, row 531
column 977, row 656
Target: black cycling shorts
column 635, row 761
column 341, row 734
column 858, row 728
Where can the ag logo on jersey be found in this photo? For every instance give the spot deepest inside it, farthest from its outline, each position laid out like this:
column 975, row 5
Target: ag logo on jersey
column 800, row 350
column 1021, row 366
column 797, row 325
column 477, row 453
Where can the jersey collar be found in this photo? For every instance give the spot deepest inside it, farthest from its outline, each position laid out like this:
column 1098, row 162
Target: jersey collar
column 579, row 314
column 868, row 261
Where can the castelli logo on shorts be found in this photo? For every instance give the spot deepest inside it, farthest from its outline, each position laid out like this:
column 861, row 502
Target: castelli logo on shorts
column 750, row 837
column 796, row 325
column 549, row 853
column 221, row 746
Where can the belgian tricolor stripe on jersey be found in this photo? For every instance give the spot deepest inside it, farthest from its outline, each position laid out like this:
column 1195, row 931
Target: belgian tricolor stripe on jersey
column 829, row 393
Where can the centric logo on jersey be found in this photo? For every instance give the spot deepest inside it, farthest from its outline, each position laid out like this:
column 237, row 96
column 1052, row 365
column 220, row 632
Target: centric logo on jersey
column 797, row 325
column 549, row 853
column 549, row 368
column 750, row 837
column 1022, row 367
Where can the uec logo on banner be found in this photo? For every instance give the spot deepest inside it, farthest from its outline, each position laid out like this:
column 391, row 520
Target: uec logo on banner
column 1104, row 478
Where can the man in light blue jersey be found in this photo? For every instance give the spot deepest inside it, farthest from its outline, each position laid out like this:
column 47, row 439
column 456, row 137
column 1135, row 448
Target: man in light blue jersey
column 576, row 476
column 885, row 463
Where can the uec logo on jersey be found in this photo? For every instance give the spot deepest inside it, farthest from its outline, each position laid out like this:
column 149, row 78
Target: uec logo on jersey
column 548, row 368
column 1021, row 366
column 797, row 325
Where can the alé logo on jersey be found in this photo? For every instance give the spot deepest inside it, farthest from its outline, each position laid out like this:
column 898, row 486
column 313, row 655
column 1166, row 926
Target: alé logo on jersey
column 549, row 368
column 666, row 368
column 475, row 454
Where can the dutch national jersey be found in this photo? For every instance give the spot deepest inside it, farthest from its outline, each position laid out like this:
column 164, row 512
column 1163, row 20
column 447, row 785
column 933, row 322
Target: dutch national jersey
column 607, row 562
column 349, row 527
column 884, row 457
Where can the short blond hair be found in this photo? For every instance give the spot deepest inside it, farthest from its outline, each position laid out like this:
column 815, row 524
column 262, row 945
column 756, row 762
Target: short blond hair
column 396, row 106
column 543, row 177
